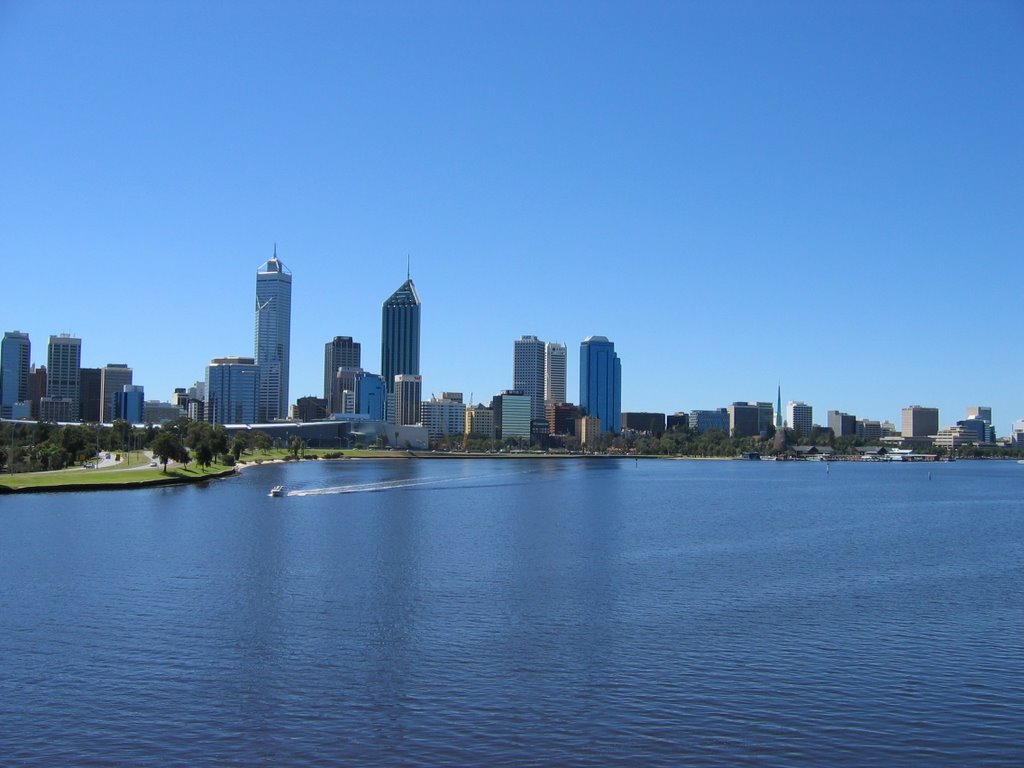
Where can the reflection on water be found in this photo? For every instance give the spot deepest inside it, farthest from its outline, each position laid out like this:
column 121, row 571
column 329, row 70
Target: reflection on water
column 528, row 611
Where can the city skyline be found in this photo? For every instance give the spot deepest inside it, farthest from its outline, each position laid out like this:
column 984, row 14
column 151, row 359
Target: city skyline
column 401, row 314
column 647, row 168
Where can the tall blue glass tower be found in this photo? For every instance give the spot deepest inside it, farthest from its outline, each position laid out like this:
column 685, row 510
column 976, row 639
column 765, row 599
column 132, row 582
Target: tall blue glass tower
column 400, row 335
column 601, row 382
column 15, row 353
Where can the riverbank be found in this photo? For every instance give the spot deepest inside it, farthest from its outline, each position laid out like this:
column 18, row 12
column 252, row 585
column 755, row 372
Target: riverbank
column 110, row 480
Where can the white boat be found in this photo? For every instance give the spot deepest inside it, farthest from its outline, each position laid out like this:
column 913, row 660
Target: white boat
column 277, row 490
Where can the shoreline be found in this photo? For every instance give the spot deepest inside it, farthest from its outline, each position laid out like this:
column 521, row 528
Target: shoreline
column 119, row 485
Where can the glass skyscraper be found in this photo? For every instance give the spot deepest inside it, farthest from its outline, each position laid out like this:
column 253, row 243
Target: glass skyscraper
column 273, row 337
column 400, row 335
column 601, row 382
column 232, row 387
column 15, row 354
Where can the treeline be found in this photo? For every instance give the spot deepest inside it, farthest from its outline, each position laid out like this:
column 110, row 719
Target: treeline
column 41, row 446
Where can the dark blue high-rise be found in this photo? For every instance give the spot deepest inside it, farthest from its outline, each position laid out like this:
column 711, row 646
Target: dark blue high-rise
column 601, row 382
column 400, row 334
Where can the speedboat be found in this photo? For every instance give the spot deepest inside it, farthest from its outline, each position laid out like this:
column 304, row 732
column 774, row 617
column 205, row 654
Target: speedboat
column 277, row 490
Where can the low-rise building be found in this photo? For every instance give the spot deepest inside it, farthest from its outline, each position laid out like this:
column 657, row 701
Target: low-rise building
column 480, row 421
column 953, row 437
column 645, row 423
column 443, row 417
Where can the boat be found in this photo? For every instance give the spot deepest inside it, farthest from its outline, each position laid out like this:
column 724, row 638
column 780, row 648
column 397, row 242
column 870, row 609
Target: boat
column 277, row 490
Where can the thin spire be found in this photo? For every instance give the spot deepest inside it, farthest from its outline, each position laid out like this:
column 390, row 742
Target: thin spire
column 275, row 249
column 408, row 266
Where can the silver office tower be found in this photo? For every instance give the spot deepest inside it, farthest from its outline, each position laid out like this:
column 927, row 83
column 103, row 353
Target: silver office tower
column 63, row 379
column 400, row 335
column 528, row 372
column 555, row 372
column 273, row 338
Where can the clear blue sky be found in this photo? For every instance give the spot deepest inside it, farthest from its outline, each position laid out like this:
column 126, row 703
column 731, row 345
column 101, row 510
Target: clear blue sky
column 830, row 195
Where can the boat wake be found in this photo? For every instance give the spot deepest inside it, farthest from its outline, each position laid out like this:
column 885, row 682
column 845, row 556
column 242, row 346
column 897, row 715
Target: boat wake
column 392, row 485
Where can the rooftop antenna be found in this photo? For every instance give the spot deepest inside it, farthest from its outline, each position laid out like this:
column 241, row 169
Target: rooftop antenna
column 275, row 249
column 408, row 266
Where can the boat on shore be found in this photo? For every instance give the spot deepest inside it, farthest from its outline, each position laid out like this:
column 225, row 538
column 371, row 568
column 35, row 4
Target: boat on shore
column 277, row 490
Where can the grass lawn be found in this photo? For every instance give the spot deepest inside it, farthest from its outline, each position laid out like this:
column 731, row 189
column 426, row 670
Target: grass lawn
column 111, row 476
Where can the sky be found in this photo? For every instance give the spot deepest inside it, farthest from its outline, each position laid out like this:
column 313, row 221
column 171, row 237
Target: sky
column 826, row 196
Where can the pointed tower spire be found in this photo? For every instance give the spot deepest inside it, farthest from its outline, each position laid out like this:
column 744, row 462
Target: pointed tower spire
column 408, row 266
column 778, row 409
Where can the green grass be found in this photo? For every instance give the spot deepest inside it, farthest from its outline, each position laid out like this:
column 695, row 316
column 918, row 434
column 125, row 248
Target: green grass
column 112, row 476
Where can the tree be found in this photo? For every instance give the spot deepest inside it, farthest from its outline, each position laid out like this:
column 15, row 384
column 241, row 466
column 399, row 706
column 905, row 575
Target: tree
column 261, row 440
column 239, row 445
column 166, row 446
column 204, row 454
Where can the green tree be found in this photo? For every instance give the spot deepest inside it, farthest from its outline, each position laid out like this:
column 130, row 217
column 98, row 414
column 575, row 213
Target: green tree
column 261, row 440
column 204, row 454
column 239, row 445
column 166, row 446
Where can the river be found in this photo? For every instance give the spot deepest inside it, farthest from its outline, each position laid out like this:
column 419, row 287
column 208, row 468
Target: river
column 526, row 612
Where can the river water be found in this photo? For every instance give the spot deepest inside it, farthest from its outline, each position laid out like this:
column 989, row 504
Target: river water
column 527, row 612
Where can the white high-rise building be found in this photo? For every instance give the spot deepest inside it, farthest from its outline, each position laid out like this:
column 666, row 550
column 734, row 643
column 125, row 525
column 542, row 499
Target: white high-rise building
column 555, row 366
column 799, row 416
column 528, row 372
column 273, row 337
column 407, row 395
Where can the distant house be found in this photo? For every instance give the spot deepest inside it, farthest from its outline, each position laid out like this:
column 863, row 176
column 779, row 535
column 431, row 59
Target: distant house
column 872, row 450
column 805, row 451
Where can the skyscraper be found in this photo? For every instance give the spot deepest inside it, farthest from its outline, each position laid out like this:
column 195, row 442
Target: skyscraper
column 113, row 378
column 982, row 412
column 89, row 410
column 273, row 337
column 63, row 366
column 408, row 398
column 555, row 358
column 601, row 382
column 528, row 372
column 340, row 352
column 800, row 416
column 919, row 421
column 15, row 358
column 400, row 335
column 232, row 390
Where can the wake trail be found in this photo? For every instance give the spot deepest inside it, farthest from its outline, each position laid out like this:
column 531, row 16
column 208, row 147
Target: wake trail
column 394, row 485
